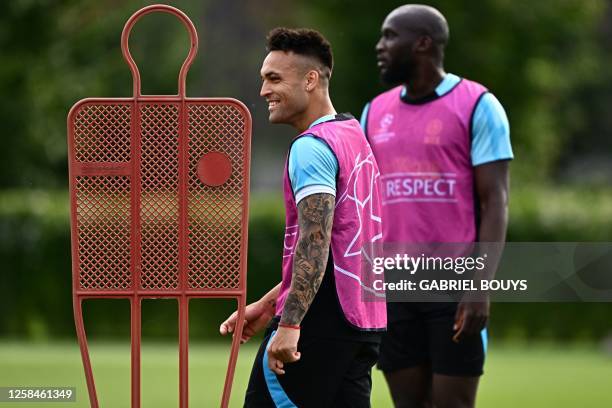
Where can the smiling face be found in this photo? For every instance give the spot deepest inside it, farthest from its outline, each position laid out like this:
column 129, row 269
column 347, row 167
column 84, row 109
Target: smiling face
column 285, row 87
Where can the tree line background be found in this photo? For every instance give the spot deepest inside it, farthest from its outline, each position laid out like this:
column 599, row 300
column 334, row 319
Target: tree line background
column 546, row 61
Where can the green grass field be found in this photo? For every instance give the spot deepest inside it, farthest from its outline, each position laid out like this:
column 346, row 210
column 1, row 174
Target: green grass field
column 516, row 376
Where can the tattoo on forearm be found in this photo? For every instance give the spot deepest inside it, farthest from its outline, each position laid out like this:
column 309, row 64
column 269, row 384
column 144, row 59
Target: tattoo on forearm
column 315, row 218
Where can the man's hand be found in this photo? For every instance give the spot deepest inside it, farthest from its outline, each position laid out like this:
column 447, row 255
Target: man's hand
column 256, row 317
column 471, row 318
column 283, row 349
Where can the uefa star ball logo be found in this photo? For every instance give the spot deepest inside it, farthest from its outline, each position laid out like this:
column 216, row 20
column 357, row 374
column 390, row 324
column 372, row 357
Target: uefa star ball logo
column 386, row 122
column 383, row 134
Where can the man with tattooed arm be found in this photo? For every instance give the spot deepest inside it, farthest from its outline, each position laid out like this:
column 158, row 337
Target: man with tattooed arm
column 319, row 332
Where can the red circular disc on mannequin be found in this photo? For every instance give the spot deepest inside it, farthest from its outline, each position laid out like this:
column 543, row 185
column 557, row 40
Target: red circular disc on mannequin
column 214, row 168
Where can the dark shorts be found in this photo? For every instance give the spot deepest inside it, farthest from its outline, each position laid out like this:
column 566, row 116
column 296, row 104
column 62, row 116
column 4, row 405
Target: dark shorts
column 330, row 373
column 422, row 334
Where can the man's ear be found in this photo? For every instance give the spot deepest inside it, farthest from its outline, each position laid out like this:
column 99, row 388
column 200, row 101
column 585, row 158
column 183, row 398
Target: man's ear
column 312, row 80
column 423, row 44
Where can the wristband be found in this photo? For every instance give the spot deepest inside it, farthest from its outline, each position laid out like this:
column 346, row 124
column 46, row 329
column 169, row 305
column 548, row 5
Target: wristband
column 289, row 326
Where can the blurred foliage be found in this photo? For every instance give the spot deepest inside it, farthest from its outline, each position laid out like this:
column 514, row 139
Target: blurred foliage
column 35, row 284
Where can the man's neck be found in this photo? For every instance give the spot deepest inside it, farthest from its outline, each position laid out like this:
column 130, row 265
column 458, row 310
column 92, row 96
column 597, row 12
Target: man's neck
column 316, row 111
column 425, row 82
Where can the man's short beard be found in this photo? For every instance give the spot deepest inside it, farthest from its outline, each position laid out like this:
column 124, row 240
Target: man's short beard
column 390, row 79
column 396, row 76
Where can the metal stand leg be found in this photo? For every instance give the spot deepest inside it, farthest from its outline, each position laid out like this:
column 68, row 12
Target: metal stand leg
column 135, row 334
column 80, row 328
column 183, row 352
column 229, row 377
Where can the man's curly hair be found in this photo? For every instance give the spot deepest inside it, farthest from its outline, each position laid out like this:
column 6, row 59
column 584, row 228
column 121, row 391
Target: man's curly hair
column 303, row 41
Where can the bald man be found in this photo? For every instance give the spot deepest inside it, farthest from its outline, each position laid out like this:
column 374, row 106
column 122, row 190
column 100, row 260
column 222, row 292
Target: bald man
column 443, row 147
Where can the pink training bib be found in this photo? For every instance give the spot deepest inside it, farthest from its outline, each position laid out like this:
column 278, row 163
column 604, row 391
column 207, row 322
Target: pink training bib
column 357, row 222
column 424, row 154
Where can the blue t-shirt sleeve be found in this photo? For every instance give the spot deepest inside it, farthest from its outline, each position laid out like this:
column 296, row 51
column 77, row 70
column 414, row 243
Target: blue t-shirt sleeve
column 490, row 132
column 364, row 118
column 312, row 167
